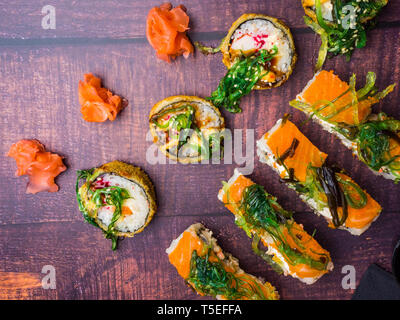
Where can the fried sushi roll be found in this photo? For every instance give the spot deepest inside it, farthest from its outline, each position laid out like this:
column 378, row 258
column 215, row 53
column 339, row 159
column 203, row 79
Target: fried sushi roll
column 341, row 25
column 117, row 198
column 328, row 190
column 187, row 129
column 347, row 113
column 291, row 250
column 210, row 271
column 259, row 53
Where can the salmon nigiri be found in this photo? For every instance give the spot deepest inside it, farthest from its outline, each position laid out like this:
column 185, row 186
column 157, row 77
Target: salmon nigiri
column 291, row 250
column 326, row 189
column 166, row 31
column 212, row 272
column 346, row 112
column 38, row 164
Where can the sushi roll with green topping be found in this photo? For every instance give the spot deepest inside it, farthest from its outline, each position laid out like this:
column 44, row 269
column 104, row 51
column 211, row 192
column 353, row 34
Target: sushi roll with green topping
column 117, row 198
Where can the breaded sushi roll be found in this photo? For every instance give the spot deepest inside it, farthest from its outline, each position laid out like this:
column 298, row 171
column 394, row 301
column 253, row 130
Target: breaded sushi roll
column 259, row 53
column 290, row 249
column 342, row 25
column 187, row 129
column 346, row 112
column 117, row 198
column 328, row 190
column 210, row 271
column 252, row 33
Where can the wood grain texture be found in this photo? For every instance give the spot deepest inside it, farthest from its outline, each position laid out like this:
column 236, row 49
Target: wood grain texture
column 39, row 74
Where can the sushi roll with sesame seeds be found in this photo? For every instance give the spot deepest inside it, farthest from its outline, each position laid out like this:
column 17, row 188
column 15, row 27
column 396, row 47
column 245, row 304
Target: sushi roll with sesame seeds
column 117, row 198
column 341, row 25
column 259, row 53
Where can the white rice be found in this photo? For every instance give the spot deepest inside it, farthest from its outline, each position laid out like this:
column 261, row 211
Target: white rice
column 137, row 203
column 244, row 39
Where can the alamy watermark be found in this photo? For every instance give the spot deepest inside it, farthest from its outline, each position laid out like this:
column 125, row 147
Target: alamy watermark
column 227, row 147
column 49, row 20
column 49, row 280
column 349, row 280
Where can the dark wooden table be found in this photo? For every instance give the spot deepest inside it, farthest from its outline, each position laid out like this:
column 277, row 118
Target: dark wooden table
column 39, row 74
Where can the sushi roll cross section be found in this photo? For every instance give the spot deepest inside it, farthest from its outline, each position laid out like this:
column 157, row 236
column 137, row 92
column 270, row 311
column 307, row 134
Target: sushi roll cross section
column 259, row 53
column 210, row 271
column 187, row 129
column 328, row 190
column 117, row 198
column 290, row 249
column 346, row 112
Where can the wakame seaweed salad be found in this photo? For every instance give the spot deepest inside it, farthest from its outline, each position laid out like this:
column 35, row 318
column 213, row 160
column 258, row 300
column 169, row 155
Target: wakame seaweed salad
column 342, row 25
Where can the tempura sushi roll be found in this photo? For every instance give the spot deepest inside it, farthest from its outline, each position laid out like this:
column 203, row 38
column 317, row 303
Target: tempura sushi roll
column 291, row 250
column 254, row 32
column 259, row 53
column 342, row 25
column 117, row 198
column 210, row 271
column 346, row 112
column 187, row 129
column 326, row 189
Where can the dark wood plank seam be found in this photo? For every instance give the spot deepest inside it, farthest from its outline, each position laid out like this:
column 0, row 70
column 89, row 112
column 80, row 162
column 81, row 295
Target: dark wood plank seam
column 195, row 36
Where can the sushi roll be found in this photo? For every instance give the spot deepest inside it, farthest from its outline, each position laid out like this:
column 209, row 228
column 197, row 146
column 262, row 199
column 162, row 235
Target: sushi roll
column 328, row 190
column 342, row 25
column 290, row 249
column 254, row 32
column 346, row 112
column 117, row 198
column 187, row 129
column 210, row 271
column 259, row 53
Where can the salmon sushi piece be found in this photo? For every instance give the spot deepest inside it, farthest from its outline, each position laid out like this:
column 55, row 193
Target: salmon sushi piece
column 290, row 249
column 210, row 271
column 326, row 189
column 347, row 113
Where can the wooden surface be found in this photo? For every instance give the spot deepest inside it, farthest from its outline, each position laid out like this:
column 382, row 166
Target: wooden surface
column 39, row 74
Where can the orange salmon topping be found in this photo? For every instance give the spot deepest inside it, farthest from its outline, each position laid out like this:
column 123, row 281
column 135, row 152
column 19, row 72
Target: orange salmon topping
column 305, row 153
column 327, row 87
column 303, row 242
column 182, row 254
column 41, row 166
column 360, row 218
column 97, row 104
column 166, row 31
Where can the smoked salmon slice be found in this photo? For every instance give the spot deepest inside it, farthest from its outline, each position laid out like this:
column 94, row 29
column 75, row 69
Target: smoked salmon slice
column 210, row 271
column 291, row 250
column 347, row 113
column 166, row 31
column 97, row 103
column 41, row 166
column 334, row 97
column 302, row 166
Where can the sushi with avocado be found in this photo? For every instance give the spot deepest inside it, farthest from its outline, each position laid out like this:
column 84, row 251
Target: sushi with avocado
column 187, row 129
column 118, row 198
column 210, row 271
column 259, row 53
column 290, row 249
column 327, row 189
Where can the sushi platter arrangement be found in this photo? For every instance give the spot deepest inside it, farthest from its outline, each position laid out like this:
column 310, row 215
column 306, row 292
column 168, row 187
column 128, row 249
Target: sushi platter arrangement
column 119, row 198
